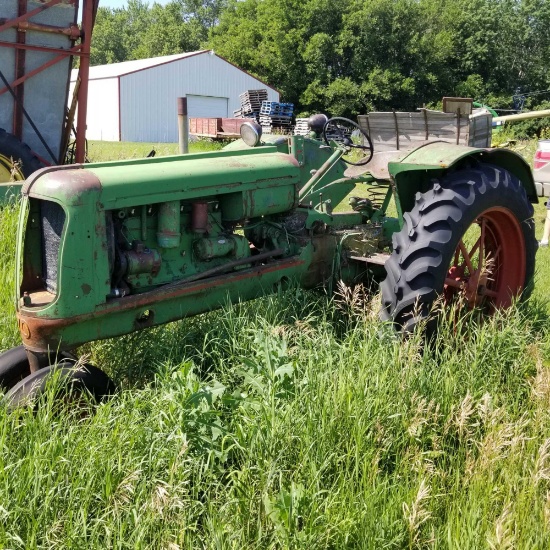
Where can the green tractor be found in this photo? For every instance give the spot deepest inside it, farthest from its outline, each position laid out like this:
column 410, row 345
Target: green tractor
column 110, row 248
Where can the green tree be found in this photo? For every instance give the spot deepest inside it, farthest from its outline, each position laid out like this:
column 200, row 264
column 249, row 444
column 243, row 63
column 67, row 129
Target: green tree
column 107, row 39
column 271, row 39
column 350, row 56
column 166, row 33
column 140, row 31
column 200, row 16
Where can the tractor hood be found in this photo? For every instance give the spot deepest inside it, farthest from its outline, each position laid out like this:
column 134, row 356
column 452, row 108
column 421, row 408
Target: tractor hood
column 146, row 181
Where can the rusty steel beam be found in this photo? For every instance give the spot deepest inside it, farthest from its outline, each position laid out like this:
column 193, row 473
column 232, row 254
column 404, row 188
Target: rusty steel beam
column 39, row 48
column 23, row 17
column 69, row 122
column 72, row 51
column 73, row 32
column 19, row 89
column 88, row 19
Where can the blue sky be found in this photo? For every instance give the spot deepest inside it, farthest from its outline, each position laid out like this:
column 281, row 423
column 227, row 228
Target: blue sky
column 122, row 3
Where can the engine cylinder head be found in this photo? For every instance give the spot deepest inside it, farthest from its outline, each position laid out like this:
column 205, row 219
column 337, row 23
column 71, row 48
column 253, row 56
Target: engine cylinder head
column 168, row 234
column 199, row 217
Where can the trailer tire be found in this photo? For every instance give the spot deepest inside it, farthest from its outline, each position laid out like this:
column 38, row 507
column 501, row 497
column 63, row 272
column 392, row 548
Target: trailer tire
column 75, row 379
column 429, row 258
column 12, row 150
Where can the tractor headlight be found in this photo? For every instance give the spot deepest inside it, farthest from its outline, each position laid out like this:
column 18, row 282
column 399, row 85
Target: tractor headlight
column 251, row 133
column 317, row 123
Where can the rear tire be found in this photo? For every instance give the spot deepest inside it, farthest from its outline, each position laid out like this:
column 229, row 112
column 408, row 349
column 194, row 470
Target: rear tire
column 17, row 161
column 432, row 258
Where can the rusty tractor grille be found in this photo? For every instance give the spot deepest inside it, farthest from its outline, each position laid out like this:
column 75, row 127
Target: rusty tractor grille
column 53, row 219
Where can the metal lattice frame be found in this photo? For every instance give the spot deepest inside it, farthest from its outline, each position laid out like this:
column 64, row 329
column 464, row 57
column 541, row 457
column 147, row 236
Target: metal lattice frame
column 80, row 36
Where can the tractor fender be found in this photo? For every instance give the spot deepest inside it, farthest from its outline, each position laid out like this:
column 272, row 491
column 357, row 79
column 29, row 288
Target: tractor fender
column 415, row 171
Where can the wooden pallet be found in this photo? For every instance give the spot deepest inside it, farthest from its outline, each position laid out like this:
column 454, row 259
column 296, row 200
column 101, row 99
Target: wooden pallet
column 251, row 100
column 273, row 108
column 302, row 127
column 286, row 130
column 284, row 120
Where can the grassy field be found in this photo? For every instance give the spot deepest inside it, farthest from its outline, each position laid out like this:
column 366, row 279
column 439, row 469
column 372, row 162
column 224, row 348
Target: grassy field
column 294, row 421
column 99, row 151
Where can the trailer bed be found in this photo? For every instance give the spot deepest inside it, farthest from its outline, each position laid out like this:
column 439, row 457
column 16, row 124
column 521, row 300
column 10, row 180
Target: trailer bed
column 216, row 128
column 396, row 131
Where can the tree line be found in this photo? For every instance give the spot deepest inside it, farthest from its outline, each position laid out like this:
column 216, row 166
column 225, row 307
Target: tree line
column 346, row 57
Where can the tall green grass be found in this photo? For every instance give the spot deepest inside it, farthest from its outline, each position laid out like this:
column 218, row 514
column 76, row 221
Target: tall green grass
column 9, row 335
column 294, row 421
column 100, row 151
column 542, row 276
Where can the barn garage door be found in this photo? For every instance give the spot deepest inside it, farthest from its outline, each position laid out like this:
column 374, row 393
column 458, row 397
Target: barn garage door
column 206, row 106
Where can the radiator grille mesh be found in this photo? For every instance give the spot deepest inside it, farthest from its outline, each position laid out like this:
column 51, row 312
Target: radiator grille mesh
column 53, row 219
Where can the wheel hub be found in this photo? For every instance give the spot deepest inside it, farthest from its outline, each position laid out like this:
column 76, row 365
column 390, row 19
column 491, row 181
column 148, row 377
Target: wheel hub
column 9, row 170
column 476, row 288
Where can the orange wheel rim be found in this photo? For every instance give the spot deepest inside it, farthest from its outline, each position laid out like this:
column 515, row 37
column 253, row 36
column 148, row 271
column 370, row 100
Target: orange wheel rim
column 489, row 262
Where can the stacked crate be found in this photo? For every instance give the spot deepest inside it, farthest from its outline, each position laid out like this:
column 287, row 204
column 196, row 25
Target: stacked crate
column 273, row 108
column 302, row 127
column 276, row 116
column 251, row 104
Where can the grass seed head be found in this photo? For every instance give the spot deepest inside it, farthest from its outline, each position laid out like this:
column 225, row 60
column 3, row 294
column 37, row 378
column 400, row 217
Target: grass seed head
column 542, row 464
column 417, row 512
column 503, row 537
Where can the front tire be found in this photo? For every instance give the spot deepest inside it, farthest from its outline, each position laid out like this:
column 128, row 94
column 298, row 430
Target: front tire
column 14, row 365
column 472, row 237
column 76, row 379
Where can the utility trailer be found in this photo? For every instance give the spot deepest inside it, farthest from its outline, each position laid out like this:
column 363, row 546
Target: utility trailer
column 216, row 128
column 458, row 124
column 38, row 41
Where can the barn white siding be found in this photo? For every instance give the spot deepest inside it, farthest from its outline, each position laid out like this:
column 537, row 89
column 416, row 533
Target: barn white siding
column 102, row 120
column 137, row 100
column 148, row 97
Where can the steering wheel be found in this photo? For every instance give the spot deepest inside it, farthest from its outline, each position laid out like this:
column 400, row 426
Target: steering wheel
column 347, row 134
